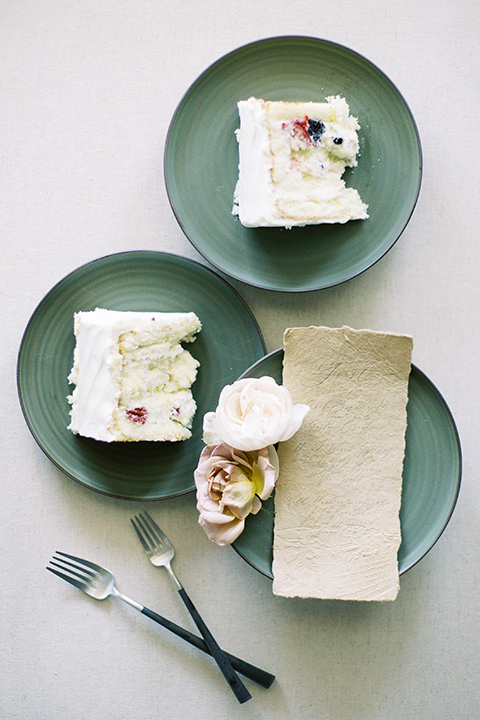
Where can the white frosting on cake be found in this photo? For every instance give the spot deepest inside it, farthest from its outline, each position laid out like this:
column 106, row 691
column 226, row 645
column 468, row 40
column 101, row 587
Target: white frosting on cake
column 291, row 160
column 132, row 376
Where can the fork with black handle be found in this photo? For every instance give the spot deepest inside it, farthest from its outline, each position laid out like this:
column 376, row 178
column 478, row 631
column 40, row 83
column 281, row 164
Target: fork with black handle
column 161, row 552
column 99, row 583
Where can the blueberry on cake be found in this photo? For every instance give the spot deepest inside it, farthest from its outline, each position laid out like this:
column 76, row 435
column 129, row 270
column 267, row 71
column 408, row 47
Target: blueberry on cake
column 132, row 376
column 291, row 160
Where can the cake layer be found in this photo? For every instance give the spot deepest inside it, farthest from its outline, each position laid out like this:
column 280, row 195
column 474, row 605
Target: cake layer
column 291, row 160
column 337, row 499
column 132, row 376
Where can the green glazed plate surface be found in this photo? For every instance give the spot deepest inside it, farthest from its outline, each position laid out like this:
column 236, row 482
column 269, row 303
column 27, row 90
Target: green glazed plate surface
column 201, row 164
column 229, row 342
column 431, row 475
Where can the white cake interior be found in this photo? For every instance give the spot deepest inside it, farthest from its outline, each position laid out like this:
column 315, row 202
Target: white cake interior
column 132, row 376
column 291, row 160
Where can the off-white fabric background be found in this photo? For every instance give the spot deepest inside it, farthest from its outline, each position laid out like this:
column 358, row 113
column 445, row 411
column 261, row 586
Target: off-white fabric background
column 88, row 88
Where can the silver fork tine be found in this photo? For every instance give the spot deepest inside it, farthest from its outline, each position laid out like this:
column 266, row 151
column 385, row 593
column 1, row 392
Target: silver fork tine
column 73, row 581
column 141, row 536
column 79, row 572
column 147, row 535
column 81, row 561
column 161, row 537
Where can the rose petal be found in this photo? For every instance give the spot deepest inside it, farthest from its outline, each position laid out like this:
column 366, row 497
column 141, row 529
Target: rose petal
column 222, row 534
column 238, row 497
column 299, row 412
column 256, row 505
column 210, row 435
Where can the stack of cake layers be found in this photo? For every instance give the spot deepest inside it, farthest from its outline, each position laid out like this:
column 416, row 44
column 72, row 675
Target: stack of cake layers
column 132, row 376
column 292, row 156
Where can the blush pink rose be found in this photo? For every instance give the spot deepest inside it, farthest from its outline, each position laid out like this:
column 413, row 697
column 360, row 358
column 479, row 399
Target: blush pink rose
column 230, row 485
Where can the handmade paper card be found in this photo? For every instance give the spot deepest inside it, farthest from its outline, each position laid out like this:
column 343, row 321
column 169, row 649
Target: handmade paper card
column 337, row 500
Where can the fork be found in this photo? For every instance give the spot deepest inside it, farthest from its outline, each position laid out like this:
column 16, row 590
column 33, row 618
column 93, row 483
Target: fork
column 99, row 583
column 161, row 552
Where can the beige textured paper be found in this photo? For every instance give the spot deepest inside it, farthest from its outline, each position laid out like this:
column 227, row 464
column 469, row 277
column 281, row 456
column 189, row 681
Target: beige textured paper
column 337, row 529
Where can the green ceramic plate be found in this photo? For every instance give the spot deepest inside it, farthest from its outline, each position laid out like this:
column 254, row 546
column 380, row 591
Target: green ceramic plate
column 431, row 475
column 201, row 164
column 229, row 341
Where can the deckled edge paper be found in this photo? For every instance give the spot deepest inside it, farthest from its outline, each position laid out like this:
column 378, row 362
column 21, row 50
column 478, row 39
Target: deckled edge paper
column 337, row 499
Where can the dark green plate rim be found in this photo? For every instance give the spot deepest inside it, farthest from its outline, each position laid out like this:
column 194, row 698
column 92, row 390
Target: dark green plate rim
column 138, row 280
column 423, row 516
column 200, row 162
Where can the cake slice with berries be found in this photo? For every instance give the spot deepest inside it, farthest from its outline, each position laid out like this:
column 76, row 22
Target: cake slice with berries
column 132, row 375
column 291, row 160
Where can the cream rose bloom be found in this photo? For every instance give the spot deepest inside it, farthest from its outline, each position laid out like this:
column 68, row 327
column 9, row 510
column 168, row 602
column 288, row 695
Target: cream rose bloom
column 230, row 485
column 252, row 414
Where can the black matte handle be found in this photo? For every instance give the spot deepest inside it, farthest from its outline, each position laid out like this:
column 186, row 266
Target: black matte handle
column 262, row 677
column 216, row 651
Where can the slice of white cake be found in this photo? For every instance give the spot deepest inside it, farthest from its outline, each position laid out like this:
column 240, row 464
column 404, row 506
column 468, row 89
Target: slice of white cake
column 132, row 376
column 337, row 499
column 291, row 160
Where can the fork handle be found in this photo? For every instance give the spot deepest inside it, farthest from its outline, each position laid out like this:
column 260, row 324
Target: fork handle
column 262, row 677
column 222, row 661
